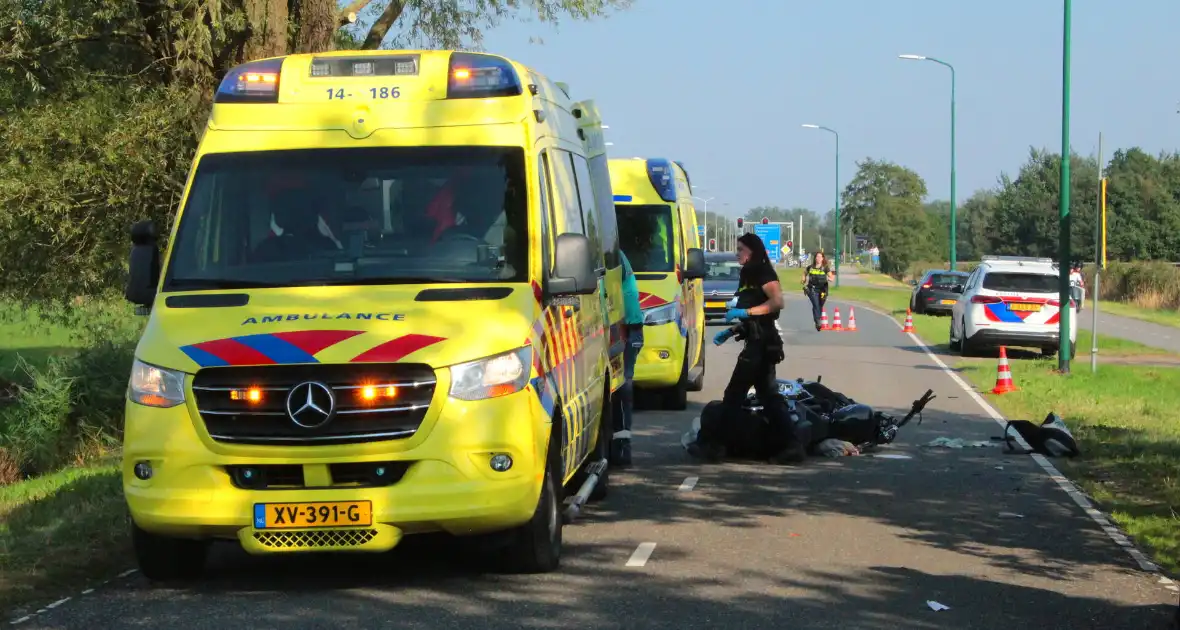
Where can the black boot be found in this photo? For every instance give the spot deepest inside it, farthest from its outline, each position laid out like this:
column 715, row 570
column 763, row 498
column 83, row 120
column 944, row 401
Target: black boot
column 620, row 452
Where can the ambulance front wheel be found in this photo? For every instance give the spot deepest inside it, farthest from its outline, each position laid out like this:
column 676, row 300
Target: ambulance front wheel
column 676, row 397
column 536, row 545
column 164, row 559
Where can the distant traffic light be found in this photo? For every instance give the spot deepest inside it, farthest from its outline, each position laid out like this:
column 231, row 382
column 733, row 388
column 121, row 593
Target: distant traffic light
column 713, row 244
column 740, row 223
column 765, row 220
column 789, row 244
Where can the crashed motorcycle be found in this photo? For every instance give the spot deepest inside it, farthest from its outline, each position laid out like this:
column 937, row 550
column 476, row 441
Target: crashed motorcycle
column 817, row 414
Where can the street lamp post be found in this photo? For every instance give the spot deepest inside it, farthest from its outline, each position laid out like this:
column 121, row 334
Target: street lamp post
column 837, row 228
column 705, row 219
column 1064, row 351
column 954, row 218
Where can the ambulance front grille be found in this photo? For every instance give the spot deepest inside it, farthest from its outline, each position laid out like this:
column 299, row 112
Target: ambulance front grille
column 316, row 539
column 403, row 396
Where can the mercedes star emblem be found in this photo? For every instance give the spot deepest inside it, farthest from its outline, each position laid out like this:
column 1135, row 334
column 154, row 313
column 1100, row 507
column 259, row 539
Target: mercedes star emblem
column 311, row 405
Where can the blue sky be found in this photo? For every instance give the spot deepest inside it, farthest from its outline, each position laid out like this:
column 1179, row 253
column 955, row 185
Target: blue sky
column 725, row 86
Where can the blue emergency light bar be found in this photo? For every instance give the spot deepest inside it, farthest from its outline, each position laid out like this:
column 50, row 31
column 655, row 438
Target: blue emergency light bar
column 254, row 82
column 476, row 75
column 659, row 171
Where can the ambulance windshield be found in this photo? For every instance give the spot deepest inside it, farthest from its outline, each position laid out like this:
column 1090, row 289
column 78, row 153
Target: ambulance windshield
column 645, row 235
column 353, row 216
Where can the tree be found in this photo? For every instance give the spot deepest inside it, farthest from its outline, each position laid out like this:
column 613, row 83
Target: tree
column 1026, row 211
column 884, row 202
column 104, row 101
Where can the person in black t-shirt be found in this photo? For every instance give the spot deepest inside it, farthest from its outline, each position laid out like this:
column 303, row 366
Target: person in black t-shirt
column 759, row 301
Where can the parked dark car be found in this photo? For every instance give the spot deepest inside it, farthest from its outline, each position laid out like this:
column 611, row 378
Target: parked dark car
column 721, row 283
column 938, row 291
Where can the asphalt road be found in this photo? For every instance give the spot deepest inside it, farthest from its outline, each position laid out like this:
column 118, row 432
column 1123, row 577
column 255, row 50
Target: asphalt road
column 1146, row 333
column 856, row 542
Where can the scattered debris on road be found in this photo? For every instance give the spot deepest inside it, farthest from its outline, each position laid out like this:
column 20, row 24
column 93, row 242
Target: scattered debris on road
column 935, row 606
column 945, row 442
column 833, row 447
column 1010, row 515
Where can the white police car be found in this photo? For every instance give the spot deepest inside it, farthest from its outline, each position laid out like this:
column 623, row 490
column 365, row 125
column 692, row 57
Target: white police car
column 1010, row 301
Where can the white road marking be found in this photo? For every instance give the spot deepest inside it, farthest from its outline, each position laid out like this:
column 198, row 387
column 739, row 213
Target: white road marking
column 66, row 599
column 689, row 483
column 641, row 554
column 1062, row 482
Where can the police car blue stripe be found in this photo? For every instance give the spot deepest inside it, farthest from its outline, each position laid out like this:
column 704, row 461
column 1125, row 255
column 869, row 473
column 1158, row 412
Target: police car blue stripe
column 1004, row 313
column 202, row 358
column 279, row 351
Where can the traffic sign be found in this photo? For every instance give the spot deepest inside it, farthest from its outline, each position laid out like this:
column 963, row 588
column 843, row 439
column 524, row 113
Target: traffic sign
column 765, row 220
column 701, row 234
column 789, row 244
column 770, row 234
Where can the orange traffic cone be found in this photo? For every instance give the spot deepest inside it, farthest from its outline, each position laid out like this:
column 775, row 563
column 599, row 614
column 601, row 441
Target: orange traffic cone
column 909, row 322
column 851, row 320
column 823, row 321
column 1004, row 382
column 837, row 325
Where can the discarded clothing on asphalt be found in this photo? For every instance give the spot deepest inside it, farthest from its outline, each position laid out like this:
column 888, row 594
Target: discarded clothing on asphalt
column 818, row 415
column 946, row 442
column 832, row 447
column 1051, row 437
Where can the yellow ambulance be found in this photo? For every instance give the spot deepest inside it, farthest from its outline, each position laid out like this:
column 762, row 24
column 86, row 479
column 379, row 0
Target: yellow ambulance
column 385, row 308
column 659, row 235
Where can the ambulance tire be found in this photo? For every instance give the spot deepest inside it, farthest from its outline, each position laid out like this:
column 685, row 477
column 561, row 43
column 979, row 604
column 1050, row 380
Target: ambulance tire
column 676, row 397
column 165, row 559
column 536, row 545
column 698, row 383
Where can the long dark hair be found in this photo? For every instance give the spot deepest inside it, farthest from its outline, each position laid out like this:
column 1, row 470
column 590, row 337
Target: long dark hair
column 827, row 266
column 758, row 255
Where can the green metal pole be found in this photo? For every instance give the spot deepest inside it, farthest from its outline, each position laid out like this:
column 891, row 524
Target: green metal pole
column 1063, row 354
column 837, row 208
column 954, row 219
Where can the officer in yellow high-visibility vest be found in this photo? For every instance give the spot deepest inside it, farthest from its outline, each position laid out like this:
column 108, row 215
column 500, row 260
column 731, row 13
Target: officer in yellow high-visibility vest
column 816, row 277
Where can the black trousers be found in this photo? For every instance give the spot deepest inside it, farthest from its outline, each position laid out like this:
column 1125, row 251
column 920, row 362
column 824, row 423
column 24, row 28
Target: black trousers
column 755, row 368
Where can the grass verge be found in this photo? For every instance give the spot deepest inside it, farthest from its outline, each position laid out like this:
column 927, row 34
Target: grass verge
column 58, row 532
column 1126, row 419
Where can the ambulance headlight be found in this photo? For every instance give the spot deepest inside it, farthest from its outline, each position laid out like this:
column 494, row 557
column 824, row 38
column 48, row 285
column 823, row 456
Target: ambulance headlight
column 154, row 386
column 660, row 315
column 492, row 377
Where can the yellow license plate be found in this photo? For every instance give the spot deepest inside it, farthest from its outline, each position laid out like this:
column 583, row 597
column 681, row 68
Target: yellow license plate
column 948, row 301
column 1031, row 308
column 714, row 304
column 301, row 515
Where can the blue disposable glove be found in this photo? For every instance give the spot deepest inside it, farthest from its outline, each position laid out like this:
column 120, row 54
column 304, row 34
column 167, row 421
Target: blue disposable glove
column 736, row 313
column 722, row 337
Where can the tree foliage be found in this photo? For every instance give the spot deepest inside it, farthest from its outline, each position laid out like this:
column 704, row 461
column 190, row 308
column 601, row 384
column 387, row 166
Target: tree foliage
column 104, row 102
column 884, row 202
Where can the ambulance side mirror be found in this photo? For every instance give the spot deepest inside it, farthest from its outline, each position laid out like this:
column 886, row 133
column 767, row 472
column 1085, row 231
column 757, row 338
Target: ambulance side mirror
column 144, row 268
column 694, row 267
column 573, row 269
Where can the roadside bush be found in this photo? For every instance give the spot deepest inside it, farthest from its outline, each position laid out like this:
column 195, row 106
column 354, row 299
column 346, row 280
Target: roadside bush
column 71, row 407
column 1147, row 285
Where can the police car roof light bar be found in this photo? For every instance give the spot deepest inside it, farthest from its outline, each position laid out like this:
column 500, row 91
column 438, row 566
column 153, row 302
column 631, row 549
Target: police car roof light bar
column 476, row 75
column 1017, row 259
column 254, row 82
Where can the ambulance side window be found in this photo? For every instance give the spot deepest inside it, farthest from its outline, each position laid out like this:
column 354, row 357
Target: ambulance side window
column 608, row 227
column 589, row 211
column 565, row 193
column 548, row 219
